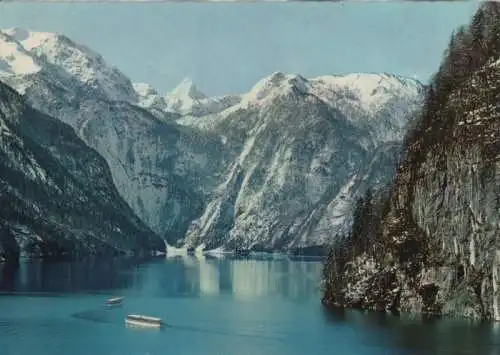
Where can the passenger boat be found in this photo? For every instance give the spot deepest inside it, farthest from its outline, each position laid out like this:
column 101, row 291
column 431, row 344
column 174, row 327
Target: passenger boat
column 114, row 301
column 143, row 321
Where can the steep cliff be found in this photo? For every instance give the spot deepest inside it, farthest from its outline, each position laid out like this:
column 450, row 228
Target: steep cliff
column 274, row 168
column 435, row 249
column 300, row 158
column 159, row 167
column 57, row 196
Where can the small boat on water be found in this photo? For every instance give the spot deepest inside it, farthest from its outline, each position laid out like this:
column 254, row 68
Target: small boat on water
column 114, row 301
column 143, row 321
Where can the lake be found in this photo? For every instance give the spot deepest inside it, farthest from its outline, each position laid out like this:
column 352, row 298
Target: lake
column 234, row 306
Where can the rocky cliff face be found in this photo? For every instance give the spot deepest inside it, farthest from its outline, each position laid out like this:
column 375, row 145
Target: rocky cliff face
column 57, row 196
column 275, row 168
column 298, row 160
column 156, row 164
column 436, row 249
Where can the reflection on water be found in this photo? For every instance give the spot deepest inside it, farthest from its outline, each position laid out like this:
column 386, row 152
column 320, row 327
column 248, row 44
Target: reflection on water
column 419, row 336
column 89, row 275
column 255, row 278
column 256, row 305
column 180, row 276
column 244, row 278
column 209, row 278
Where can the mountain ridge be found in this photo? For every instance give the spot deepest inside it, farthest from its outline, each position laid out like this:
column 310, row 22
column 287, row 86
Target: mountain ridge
column 48, row 209
column 201, row 162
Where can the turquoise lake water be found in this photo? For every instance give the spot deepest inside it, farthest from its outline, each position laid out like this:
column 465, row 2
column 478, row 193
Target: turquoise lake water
column 211, row 306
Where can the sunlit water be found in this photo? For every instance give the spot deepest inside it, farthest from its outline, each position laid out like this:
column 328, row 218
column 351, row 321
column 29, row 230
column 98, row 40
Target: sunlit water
column 210, row 306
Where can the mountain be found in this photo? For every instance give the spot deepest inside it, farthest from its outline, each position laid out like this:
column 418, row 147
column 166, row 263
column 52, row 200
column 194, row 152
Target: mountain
column 184, row 101
column 275, row 168
column 300, row 149
column 57, row 196
column 435, row 248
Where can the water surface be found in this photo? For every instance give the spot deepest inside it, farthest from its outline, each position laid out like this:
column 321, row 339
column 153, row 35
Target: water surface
column 232, row 306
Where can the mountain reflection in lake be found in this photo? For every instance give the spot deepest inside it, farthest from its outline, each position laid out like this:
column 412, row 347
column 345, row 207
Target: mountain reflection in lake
column 243, row 278
column 259, row 305
column 88, row 275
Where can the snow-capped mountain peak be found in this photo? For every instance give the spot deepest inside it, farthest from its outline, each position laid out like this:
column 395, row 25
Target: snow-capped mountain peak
column 150, row 99
column 275, row 84
column 144, row 90
column 28, row 39
column 370, row 89
column 186, row 90
column 77, row 60
column 185, row 98
column 266, row 167
column 362, row 94
column 14, row 59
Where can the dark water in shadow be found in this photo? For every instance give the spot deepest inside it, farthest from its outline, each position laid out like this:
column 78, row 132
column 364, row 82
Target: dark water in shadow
column 208, row 306
column 89, row 275
column 413, row 335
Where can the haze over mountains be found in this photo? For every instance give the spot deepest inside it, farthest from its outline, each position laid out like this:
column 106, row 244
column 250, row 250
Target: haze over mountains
column 275, row 168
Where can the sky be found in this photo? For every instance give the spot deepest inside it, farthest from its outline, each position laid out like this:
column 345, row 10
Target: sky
column 226, row 48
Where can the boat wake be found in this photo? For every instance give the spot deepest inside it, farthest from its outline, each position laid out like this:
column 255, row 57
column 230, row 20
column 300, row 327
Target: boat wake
column 246, row 334
column 100, row 315
column 106, row 315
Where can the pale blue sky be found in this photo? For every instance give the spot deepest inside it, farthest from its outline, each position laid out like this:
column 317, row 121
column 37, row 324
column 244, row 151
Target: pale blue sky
column 227, row 48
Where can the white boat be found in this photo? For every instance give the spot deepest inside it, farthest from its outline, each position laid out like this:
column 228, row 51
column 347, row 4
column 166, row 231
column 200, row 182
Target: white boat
column 143, row 321
column 114, row 301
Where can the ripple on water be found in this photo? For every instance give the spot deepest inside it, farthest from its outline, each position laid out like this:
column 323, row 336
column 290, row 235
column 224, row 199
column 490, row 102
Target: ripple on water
column 210, row 307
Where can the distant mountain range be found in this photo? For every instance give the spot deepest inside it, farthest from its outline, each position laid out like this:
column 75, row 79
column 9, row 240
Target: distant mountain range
column 277, row 168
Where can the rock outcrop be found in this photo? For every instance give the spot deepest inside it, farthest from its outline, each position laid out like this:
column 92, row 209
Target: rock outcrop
column 57, row 197
column 275, row 168
column 435, row 249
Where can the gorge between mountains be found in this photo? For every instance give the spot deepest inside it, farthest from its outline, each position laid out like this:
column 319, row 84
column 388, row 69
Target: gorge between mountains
column 277, row 168
column 401, row 178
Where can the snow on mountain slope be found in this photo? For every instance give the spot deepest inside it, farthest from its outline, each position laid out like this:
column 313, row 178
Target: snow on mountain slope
column 151, row 100
column 77, row 60
column 276, row 167
column 435, row 246
column 378, row 102
column 370, row 90
column 156, row 164
column 186, row 90
column 57, row 197
column 184, row 100
column 14, row 60
column 296, row 162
